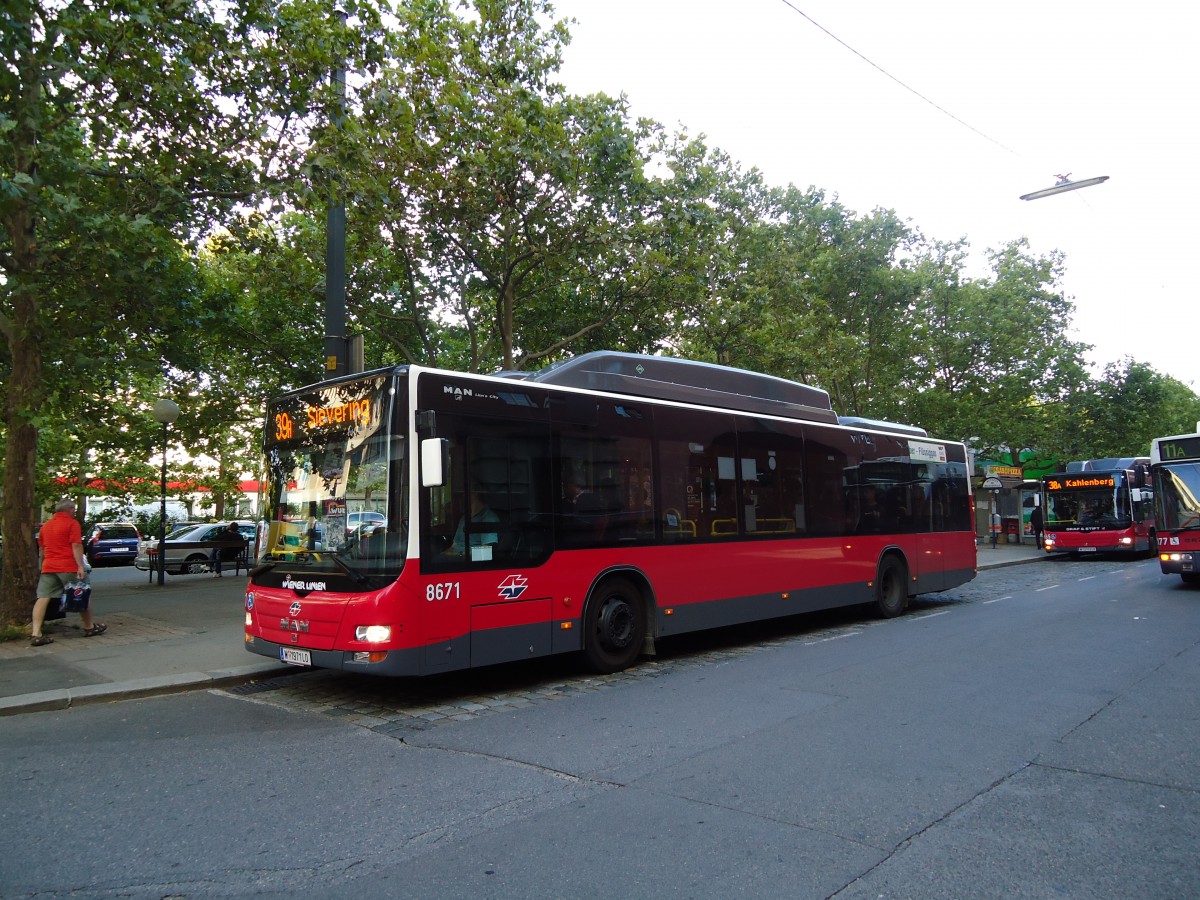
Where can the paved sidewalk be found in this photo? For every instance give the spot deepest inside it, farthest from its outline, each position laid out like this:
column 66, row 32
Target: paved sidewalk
column 185, row 635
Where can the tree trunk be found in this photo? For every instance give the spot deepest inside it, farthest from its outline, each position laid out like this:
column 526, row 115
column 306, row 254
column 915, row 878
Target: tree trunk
column 23, row 332
column 18, row 580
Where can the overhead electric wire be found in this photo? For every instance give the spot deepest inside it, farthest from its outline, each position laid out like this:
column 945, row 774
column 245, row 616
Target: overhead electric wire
column 897, row 80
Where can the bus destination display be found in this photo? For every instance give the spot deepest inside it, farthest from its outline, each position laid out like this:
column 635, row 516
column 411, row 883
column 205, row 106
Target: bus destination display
column 1079, row 482
column 1173, row 449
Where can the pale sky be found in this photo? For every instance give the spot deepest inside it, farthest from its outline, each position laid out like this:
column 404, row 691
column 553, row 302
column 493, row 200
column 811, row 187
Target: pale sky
column 1085, row 88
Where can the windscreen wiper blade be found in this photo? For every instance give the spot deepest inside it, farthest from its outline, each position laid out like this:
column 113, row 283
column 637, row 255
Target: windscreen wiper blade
column 358, row 577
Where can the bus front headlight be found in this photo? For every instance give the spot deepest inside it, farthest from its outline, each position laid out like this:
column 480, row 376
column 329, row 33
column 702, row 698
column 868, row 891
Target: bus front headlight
column 373, row 634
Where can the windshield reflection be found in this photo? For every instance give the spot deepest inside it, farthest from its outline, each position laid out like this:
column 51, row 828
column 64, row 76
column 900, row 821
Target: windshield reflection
column 1178, row 492
column 335, row 482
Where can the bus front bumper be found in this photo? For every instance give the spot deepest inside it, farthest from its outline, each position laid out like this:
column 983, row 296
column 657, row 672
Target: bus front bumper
column 1124, row 546
column 389, row 662
column 1177, row 563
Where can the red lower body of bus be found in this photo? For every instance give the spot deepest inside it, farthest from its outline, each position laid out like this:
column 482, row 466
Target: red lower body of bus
column 1137, row 539
column 438, row 622
column 1179, row 554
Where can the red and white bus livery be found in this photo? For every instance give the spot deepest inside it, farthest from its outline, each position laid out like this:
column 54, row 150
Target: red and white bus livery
column 1175, row 470
column 1099, row 506
column 418, row 521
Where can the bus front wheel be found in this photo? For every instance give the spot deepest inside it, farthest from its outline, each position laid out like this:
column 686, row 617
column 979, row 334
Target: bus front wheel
column 612, row 627
column 891, row 587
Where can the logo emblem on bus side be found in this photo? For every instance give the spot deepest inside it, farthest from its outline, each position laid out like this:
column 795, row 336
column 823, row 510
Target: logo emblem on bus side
column 513, row 587
column 294, row 609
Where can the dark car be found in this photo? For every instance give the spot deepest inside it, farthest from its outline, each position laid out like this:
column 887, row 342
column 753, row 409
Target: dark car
column 112, row 542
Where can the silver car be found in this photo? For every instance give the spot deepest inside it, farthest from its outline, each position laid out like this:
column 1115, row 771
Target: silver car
column 190, row 548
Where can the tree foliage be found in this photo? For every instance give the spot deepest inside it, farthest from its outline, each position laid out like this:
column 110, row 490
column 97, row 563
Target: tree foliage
column 1130, row 405
column 502, row 218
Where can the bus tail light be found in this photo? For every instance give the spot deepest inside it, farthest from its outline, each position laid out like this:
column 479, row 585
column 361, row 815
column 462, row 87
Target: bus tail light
column 373, row 634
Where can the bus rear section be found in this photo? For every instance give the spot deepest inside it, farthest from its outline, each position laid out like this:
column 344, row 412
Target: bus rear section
column 421, row 521
column 1175, row 471
column 1100, row 507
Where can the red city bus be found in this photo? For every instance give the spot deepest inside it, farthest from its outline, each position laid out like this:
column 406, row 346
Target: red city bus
column 1099, row 506
column 418, row 521
column 1175, row 470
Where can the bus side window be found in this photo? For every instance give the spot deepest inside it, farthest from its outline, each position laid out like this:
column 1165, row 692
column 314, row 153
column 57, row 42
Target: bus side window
column 825, row 464
column 698, row 462
column 771, row 465
column 605, row 476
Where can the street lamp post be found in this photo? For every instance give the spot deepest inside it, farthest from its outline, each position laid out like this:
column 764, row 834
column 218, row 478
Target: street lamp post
column 165, row 411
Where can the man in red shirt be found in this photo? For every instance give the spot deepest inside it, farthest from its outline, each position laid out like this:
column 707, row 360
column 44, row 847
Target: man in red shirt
column 60, row 546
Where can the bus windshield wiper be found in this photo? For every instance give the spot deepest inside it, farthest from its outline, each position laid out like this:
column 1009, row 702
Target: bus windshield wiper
column 358, row 577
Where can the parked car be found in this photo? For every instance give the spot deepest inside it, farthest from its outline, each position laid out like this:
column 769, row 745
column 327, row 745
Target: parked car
column 189, row 550
column 112, row 542
column 364, row 521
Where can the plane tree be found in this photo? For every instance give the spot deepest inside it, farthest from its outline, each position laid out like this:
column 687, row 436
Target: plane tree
column 1130, row 404
column 993, row 355
column 128, row 129
column 499, row 220
column 798, row 285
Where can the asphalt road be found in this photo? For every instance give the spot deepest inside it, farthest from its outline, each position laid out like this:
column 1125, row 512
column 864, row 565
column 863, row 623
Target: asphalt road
column 1031, row 734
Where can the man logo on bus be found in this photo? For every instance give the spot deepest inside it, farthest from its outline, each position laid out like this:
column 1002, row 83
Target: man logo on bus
column 513, row 587
column 457, row 391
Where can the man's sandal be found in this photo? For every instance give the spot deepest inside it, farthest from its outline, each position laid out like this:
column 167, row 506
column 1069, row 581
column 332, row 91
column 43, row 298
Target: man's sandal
column 40, row 640
column 99, row 628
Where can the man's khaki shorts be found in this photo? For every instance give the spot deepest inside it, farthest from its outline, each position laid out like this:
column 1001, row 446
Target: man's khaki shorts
column 52, row 584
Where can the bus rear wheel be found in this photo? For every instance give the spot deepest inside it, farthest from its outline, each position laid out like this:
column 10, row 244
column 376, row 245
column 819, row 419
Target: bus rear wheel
column 891, row 587
column 612, row 626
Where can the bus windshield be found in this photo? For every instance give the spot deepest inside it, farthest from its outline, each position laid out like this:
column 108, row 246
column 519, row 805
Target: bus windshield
column 335, row 481
column 1106, row 506
column 1179, row 487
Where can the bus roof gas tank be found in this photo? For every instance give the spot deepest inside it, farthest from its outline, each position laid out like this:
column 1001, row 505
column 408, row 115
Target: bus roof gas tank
column 689, row 381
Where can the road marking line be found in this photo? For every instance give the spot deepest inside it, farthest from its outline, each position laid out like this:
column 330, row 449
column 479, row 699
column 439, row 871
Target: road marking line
column 998, row 599
column 836, row 637
column 1039, row 590
column 1087, row 577
column 927, row 616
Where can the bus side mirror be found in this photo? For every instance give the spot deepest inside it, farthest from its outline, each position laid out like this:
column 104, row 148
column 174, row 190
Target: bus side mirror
column 435, row 461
